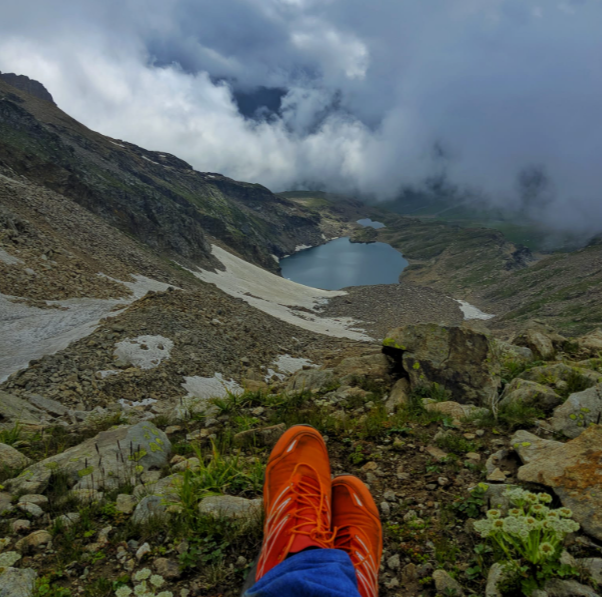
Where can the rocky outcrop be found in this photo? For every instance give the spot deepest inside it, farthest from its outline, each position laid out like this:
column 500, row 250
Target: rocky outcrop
column 27, row 85
column 460, row 359
column 112, row 457
column 541, row 339
column 581, row 410
column 228, row 506
column 591, row 344
column 573, row 471
column 531, row 393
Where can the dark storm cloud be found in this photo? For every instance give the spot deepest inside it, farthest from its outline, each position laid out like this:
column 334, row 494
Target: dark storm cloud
column 347, row 95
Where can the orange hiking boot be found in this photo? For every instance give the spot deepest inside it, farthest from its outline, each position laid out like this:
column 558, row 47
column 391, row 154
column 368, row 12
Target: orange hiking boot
column 358, row 530
column 296, row 498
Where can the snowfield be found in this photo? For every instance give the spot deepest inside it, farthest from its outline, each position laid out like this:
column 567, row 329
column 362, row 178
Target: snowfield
column 279, row 297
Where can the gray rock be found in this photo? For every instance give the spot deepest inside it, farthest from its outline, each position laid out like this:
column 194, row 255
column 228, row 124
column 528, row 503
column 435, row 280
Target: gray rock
column 578, row 412
column 15, row 410
column 591, row 343
column 31, row 509
column 112, row 457
column 445, row 584
column 495, row 496
column 142, row 551
column 50, row 406
column 496, row 476
column 512, row 352
column 11, row 458
column 496, row 574
column 149, row 507
column 5, row 502
column 385, row 509
column 125, row 503
column 21, row 526
column 35, row 540
column 33, row 498
column 460, row 359
column 168, row 569
column 593, row 567
column 523, row 391
column 541, row 339
column 66, row 520
column 228, row 506
column 529, row 446
column 312, row 380
column 394, row 562
column 568, row 588
column 18, row 582
column 573, row 471
column 166, row 488
column 495, row 460
column 399, row 395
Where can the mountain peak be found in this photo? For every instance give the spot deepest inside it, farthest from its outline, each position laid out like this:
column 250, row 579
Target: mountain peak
column 28, row 85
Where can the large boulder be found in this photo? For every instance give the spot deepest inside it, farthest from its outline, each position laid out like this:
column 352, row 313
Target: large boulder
column 591, row 344
column 11, row 458
column 14, row 410
column 111, row 458
column 17, row 582
column 541, row 339
column 454, row 410
column 460, row 359
column 573, row 470
column 578, row 412
column 512, row 352
column 531, row 393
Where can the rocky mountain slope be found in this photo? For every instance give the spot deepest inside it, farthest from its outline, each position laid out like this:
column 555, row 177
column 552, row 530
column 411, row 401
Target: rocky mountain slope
column 153, row 196
column 150, row 358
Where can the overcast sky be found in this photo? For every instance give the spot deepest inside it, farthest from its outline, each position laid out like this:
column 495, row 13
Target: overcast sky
column 347, row 95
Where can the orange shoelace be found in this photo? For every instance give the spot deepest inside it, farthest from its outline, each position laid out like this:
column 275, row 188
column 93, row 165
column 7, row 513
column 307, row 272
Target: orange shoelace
column 311, row 509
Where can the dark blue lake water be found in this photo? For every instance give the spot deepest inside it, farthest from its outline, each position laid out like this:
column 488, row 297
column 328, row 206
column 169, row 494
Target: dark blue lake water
column 370, row 223
column 341, row 263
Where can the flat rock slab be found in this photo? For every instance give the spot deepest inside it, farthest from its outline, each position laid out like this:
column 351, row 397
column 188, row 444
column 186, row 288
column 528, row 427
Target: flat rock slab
column 112, row 457
column 16, row 410
column 530, row 447
column 574, row 471
column 229, row 506
column 18, row 582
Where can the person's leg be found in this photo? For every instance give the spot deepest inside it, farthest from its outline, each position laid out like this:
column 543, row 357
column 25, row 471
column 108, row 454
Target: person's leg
column 296, row 498
column 359, row 532
column 311, row 573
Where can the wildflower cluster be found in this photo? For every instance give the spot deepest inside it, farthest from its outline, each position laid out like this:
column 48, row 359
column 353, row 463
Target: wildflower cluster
column 144, row 588
column 531, row 530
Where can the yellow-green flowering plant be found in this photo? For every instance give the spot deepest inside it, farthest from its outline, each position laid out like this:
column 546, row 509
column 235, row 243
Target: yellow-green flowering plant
column 531, row 536
column 144, row 588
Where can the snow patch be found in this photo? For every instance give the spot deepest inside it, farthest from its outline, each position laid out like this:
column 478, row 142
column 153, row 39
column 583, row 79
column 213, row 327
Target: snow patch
column 210, row 387
column 276, row 258
column 302, row 248
column 275, row 295
column 9, row 259
column 289, row 364
column 31, row 333
column 151, row 161
column 472, row 312
column 118, row 144
column 146, row 352
column 133, row 404
column 107, row 373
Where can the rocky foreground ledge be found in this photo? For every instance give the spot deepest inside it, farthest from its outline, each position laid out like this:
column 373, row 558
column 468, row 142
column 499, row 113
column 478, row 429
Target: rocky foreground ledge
column 444, row 423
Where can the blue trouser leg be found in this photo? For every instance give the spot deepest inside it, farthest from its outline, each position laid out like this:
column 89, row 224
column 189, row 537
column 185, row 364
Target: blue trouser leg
column 311, row 573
